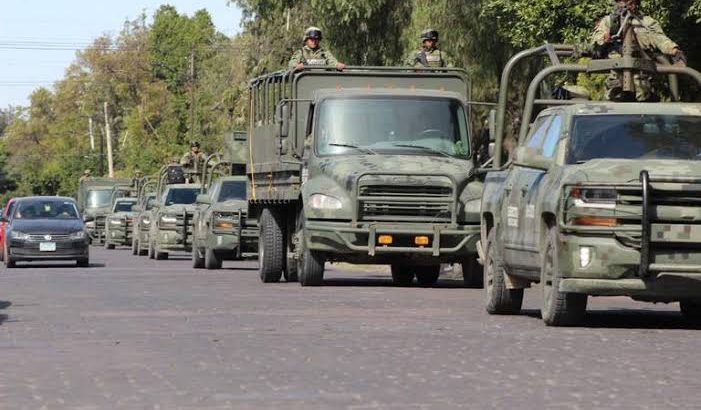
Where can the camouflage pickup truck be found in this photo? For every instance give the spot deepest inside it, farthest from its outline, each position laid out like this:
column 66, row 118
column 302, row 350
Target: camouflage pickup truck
column 142, row 219
column 94, row 201
column 222, row 230
column 372, row 165
column 598, row 199
column 118, row 224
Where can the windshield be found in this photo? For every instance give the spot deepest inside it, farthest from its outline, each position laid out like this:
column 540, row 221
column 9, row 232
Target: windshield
column 415, row 126
column 181, row 196
column 46, row 209
column 635, row 136
column 232, row 190
column 123, row 206
column 98, row 198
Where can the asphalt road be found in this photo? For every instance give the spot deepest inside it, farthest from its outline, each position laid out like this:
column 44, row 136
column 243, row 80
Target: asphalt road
column 132, row 333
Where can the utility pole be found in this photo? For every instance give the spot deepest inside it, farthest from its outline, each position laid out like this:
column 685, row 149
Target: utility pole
column 108, row 137
column 92, row 135
column 192, row 96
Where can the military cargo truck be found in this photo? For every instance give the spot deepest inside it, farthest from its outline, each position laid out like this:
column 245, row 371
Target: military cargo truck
column 371, row 165
column 94, row 201
column 171, row 217
column 222, row 230
column 118, row 223
column 598, row 199
column 142, row 218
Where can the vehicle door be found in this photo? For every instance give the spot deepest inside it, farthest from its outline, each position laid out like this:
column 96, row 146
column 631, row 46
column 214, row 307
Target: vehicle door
column 517, row 252
column 533, row 188
column 204, row 211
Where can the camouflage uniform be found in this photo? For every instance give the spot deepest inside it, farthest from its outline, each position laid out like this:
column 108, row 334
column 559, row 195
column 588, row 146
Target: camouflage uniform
column 651, row 41
column 429, row 58
column 313, row 57
column 190, row 160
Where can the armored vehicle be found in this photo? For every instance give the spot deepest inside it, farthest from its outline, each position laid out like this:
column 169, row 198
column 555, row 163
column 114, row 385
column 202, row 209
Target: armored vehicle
column 222, row 230
column 118, row 224
column 171, row 217
column 94, row 201
column 371, row 165
column 142, row 218
column 598, row 199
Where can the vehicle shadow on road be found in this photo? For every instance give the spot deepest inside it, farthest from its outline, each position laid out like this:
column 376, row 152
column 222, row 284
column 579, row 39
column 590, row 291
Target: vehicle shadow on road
column 629, row 319
column 381, row 281
column 58, row 266
column 4, row 305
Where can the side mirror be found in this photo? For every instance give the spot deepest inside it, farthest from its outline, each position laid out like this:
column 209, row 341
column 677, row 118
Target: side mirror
column 528, row 157
column 492, row 126
column 204, row 199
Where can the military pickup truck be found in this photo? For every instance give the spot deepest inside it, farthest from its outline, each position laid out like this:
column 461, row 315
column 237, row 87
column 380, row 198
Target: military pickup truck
column 94, row 201
column 142, row 218
column 118, row 224
column 222, row 230
column 598, row 199
column 371, row 165
column 171, row 218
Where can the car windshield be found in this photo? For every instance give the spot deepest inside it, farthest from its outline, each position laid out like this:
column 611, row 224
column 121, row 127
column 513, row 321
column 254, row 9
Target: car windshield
column 181, row 196
column 123, row 206
column 635, row 136
column 412, row 125
column 98, row 198
column 46, row 209
column 232, row 190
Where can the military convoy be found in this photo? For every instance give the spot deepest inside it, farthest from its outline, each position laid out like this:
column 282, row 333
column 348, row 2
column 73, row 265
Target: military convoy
column 94, row 201
column 598, row 199
column 371, row 165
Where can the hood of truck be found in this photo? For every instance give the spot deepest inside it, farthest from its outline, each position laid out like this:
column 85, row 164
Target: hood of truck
column 623, row 170
column 177, row 209
column 231, row 206
column 345, row 170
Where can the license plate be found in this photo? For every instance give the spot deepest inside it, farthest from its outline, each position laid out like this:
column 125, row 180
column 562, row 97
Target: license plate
column 47, row 247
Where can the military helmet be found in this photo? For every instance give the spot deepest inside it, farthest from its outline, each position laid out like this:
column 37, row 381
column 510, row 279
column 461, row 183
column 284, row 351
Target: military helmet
column 194, row 144
column 312, row 32
column 429, row 34
column 86, row 172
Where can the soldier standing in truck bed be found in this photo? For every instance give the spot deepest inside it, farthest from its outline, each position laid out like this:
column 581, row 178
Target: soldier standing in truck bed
column 429, row 55
column 651, row 43
column 312, row 54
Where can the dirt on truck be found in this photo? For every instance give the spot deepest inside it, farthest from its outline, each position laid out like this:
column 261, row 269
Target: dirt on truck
column 371, row 165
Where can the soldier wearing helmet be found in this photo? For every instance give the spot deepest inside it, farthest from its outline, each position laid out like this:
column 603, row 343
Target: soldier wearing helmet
column 193, row 158
column 429, row 55
column 86, row 175
column 651, row 41
column 312, row 54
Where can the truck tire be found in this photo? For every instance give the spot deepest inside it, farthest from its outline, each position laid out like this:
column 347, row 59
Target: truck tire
column 271, row 244
column 161, row 256
column 134, row 247
column 211, row 260
column 197, row 259
column 472, row 272
column 427, row 276
column 151, row 250
column 500, row 299
column 108, row 245
column 291, row 272
column 402, row 276
column 311, row 268
column 559, row 308
column 691, row 311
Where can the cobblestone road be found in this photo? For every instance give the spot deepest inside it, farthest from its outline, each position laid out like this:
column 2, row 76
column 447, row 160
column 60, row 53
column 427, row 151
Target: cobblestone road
column 131, row 333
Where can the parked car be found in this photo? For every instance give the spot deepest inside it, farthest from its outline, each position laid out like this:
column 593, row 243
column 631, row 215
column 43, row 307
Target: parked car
column 5, row 212
column 45, row 228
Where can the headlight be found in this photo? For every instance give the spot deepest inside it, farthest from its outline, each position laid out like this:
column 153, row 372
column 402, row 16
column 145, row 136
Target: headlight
column 603, row 198
column 87, row 218
column 19, row 236
column 145, row 221
column 321, row 201
column 116, row 222
column 225, row 221
column 77, row 235
column 90, row 224
column 167, row 222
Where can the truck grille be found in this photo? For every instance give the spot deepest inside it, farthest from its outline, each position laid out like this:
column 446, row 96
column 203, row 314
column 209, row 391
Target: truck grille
column 405, row 199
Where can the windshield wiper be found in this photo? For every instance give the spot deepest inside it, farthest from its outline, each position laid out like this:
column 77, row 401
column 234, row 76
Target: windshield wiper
column 421, row 147
column 363, row 149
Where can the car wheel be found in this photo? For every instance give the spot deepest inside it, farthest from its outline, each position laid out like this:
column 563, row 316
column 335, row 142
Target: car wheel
column 134, row 247
column 211, row 260
column 161, row 256
column 559, row 308
column 500, row 299
column 427, row 276
column 197, row 259
column 271, row 243
column 402, row 276
column 9, row 262
column 691, row 310
column 83, row 263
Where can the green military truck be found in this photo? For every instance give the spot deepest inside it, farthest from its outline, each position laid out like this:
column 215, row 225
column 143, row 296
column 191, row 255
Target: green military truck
column 94, row 201
column 171, row 217
column 222, row 230
column 371, row 165
column 142, row 218
column 598, row 199
column 119, row 223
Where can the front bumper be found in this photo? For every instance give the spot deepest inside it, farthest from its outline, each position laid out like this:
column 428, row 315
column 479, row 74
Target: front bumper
column 448, row 243
column 172, row 241
column 234, row 243
column 118, row 236
column 65, row 250
column 614, row 270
